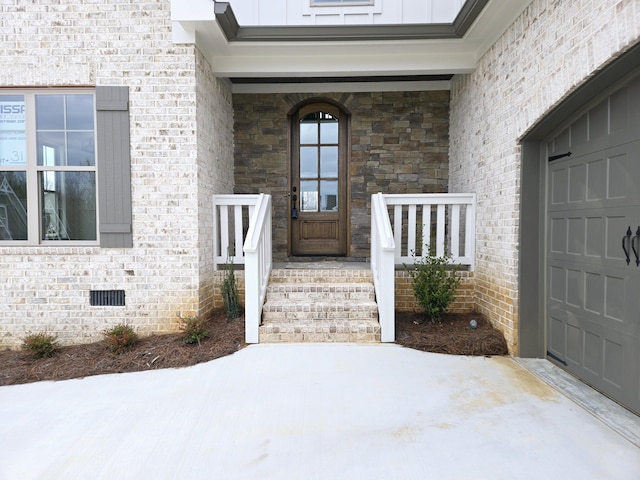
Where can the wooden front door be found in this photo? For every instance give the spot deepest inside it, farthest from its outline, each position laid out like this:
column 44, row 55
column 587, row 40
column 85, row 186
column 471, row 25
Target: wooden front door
column 318, row 224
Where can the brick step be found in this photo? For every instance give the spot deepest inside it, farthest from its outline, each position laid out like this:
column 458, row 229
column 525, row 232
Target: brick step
column 283, row 275
column 289, row 310
column 320, row 305
column 321, row 291
column 354, row 331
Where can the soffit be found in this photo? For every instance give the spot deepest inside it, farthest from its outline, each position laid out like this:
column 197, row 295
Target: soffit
column 342, row 51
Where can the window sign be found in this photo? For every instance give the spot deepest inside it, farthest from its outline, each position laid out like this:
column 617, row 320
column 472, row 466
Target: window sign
column 13, row 146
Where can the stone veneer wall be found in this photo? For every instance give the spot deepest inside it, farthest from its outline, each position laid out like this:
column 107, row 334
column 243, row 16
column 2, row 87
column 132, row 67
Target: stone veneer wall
column 53, row 43
column 399, row 144
column 550, row 49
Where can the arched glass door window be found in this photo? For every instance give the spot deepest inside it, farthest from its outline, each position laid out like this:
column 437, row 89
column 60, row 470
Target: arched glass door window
column 319, row 162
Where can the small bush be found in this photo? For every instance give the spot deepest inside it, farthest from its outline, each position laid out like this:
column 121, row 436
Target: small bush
column 120, row 338
column 230, row 296
column 434, row 284
column 41, row 345
column 194, row 329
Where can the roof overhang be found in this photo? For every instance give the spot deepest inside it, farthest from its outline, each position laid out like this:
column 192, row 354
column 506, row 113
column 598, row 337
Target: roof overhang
column 414, row 51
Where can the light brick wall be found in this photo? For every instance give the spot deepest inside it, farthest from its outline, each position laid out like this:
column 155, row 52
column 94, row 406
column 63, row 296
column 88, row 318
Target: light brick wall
column 405, row 300
column 549, row 50
column 172, row 99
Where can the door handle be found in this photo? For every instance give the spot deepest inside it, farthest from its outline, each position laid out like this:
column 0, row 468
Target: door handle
column 635, row 246
column 625, row 247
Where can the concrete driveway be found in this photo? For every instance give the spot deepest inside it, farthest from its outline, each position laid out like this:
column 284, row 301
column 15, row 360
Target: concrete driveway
column 310, row 411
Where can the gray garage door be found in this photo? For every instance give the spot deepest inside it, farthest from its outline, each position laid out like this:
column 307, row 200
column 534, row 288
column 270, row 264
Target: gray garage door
column 593, row 246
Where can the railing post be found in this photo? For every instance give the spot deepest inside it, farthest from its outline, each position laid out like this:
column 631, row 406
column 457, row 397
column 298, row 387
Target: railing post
column 383, row 267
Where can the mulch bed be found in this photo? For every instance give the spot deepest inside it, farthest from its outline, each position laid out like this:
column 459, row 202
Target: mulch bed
column 453, row 335
column 150, row 353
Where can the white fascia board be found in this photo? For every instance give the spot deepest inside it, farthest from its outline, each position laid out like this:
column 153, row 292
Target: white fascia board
column 192, row 10
column 421, row 63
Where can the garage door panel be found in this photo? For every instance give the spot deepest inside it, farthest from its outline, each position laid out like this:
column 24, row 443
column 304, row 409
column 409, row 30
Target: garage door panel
column 593, row 289
column 578, row 183
column 614, row 298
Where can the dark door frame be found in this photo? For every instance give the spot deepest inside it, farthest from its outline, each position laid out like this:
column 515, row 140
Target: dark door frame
column 346, row 149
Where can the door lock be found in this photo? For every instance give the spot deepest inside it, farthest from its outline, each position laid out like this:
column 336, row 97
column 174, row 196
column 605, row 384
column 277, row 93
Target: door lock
column 294, row 198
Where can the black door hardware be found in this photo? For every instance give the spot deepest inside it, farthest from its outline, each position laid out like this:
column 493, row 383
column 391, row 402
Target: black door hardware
column 626, row 241
column 294, row 210
column 635, row 246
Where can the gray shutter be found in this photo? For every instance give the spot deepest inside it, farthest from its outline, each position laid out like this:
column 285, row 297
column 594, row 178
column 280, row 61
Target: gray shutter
column 114, row 166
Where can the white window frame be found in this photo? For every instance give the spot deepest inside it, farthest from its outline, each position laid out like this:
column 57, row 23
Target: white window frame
column 342, row 3
column 34, row 205
column 368, row 7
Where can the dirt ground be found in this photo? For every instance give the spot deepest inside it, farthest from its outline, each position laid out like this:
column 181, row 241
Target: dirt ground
column 453, row 335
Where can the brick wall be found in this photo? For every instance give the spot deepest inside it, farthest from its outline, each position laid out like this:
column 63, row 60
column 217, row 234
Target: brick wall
column 399, row 144
column 405, row 300
column 172, row 100
column 549, row 50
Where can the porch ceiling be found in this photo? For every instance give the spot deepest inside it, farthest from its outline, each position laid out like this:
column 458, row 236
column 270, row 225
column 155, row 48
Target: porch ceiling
column 341, row 50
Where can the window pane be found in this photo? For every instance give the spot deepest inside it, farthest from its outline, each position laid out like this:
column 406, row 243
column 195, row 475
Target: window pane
column 329, row 130
column 309, row 196
column 328, row 161
column 13, row 205
column 309, row 129
column 329, row 195
column 13, row 146
column 50, row 112
column 308, row 162
column 79, row 112
column 81, row 149
column 51, row 149
column 68, row 202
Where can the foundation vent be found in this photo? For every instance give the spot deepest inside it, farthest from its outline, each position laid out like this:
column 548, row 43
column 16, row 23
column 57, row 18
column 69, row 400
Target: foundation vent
column 107, row 298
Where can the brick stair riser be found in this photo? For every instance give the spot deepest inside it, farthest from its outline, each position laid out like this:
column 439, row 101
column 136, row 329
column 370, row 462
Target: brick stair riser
column 316, row 293
column 320, row 306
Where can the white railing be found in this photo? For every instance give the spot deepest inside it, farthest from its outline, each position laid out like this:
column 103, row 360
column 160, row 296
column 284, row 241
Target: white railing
column 255, row 253
column 437, row 223
column 231, row 216
column 382, row 266
column 416, row 232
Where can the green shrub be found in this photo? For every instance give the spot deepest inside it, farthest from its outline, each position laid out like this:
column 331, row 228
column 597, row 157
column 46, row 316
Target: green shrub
column 120, row 338
column 41, row 345
column 434, row 284
column 194, row 329
column 230, row 296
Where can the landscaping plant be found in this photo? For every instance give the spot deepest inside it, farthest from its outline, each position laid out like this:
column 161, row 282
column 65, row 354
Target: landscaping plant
column 230, row 296
column 434, row 284
column 41, row 345
column 194, row 329
column 120, row 338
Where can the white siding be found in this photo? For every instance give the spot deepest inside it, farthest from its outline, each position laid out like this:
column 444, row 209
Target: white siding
column 300, row 12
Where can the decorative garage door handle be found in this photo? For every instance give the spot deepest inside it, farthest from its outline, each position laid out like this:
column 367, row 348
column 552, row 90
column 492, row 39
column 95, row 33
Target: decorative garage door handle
column 626, row 241
column 635, row 243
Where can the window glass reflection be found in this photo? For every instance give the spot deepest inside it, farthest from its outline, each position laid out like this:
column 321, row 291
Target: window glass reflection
column 13, row 143
column 328, row 161
column 329, row 130
column 309, row 196
column 68, row 202
column 13, row 205
column 50, row 112
column 329, row 195
column 308, row 162
column 309, row 129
